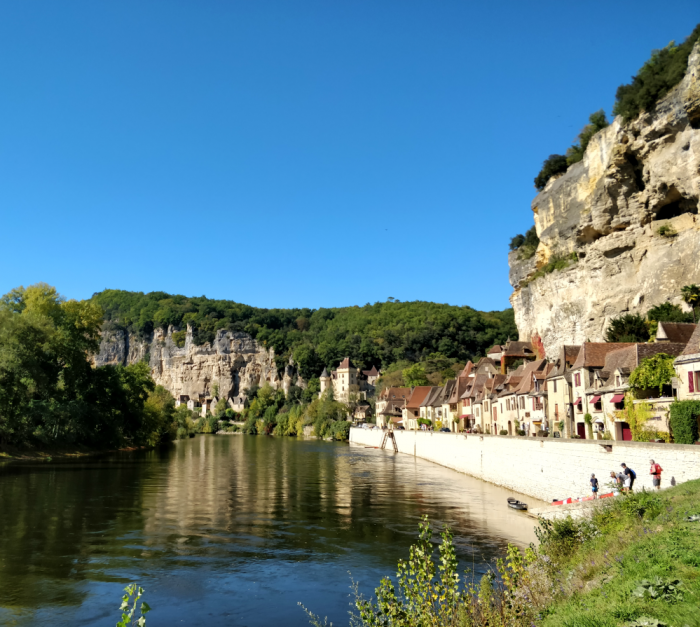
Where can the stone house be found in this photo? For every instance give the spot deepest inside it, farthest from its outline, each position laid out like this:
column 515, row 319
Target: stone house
column 687, row 366
column 516, row 351
column 238, row 403
column 411, row 410
column 495, row 353
column 181, row 399
column 677, row 332
column 471, row 414
column 507, row 400
column 431, row 407
column 529, row 397
column 559, row 388
column 609, row 385
column 452, row 406
column 347, row 381
column 369, row 378
column 591, row 357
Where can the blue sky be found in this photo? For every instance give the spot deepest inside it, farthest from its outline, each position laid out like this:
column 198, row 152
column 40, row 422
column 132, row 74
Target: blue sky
column 303, row 153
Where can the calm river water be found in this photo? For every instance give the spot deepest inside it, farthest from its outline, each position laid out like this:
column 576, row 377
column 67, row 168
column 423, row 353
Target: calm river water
column 229, row 530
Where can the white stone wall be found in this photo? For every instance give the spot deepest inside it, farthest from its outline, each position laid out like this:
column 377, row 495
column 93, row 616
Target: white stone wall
column 545, row 468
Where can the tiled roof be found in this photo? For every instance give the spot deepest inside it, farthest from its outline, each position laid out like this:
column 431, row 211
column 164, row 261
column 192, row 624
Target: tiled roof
column 371, row 373
column 675, row 331
column 567, row 356
column 324, row 373
column 497, row 348
column 693, row 346
column 592, row 354
column 395, row 393
column 434, row 398
column 345, row 363
column 519, row 349
column 477, row 383
column 530, row 368
column 418, row 396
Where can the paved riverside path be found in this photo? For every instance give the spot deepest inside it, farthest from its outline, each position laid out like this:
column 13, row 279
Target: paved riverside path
column 546, row 468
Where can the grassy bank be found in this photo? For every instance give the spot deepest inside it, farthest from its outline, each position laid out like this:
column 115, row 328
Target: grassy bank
column 635, row 562
column 625, row 563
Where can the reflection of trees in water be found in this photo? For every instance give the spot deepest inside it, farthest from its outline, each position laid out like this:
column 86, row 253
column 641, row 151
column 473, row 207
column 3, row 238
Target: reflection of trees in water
column 279, row 498
column 57, row 521
column 218, row 501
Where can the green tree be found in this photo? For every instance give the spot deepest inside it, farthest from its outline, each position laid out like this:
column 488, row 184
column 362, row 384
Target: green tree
column 656, row 78
column 627, row 328
column 691, row 295
column 415, row 375
column 597, row 122
column 553, row 165
column 667, row 312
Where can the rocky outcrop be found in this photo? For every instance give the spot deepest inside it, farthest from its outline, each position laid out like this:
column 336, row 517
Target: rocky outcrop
column 607, row 212
column 233, row 361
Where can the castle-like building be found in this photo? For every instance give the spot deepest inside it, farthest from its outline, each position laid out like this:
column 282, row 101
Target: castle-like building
column 348, row 381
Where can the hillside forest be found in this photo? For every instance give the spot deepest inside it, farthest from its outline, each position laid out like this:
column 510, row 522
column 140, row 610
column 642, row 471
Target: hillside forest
column 382, row 334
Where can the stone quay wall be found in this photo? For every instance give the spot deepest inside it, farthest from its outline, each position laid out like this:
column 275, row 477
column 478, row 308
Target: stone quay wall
column 544, row 468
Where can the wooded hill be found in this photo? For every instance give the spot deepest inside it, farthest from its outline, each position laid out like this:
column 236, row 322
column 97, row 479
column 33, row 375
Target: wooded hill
column 379, row 334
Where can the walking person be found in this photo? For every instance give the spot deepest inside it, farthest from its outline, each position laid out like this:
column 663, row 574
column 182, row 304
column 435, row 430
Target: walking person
column 594, row 486
column 655, row 472
column 630, row 476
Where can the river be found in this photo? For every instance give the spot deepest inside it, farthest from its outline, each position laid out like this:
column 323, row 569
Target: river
column 229, row 530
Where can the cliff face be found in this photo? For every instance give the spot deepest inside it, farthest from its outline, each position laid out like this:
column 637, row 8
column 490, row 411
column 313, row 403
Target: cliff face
column 234, row 360
column 607, row 209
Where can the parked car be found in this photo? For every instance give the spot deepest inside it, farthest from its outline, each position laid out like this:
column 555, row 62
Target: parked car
column 445, row 430
column 400, row 427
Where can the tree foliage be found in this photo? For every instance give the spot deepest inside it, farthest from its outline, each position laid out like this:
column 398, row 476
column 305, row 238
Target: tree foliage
column 684, row 421
column 597, row 122
column 667, row 312
column 415, row 375
column 627, row 328
column 49, row 391
column 527, row 244
column 378, row 334
column 653, row 372
column 554, row 164
column 655, row 79
column 691, row 295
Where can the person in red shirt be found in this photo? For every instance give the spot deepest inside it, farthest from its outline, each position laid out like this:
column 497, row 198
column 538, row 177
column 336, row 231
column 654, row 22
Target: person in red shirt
column 655, row 472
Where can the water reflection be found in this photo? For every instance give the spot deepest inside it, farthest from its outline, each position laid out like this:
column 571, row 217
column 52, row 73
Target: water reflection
column 229, row 530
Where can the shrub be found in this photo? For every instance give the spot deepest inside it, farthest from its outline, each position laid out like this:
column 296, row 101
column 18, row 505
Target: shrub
column 598, row 122
column 556, row 262
column 655, row 79
column 517, row 241
column 559, row 538
column 684, row 421
column 666, row 230
column 341, row 430
column 179, row 338
column 554, row 164
column 503, row 432
column 627, row 328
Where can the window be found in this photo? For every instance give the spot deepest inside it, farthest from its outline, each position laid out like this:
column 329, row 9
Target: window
column 618, row 380
column 577, row 379
column 694, row 381
column 556, row 410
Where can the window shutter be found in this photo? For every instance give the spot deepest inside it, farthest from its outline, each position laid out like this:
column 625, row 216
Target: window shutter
column 691, row 386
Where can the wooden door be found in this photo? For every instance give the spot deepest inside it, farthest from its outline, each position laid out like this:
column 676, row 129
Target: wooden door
column 581, row 429
column 626, row 432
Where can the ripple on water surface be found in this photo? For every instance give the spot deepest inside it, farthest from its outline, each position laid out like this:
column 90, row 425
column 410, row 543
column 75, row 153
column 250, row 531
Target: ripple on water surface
column 229, row 530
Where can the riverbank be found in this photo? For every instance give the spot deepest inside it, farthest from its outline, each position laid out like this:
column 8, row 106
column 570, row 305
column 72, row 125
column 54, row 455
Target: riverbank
column 17, row 454
column 546, row 468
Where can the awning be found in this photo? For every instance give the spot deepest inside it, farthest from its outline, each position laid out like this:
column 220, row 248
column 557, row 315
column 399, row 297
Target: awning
column 618, row 398
column 577, row 401
column 595, row 399
column 467, row 416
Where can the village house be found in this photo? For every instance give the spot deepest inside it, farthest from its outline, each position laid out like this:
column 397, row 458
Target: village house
column 495, row 353
column 529, row 397
column 687, row 366
column 182, row 399
column 411, row 410
column 559, row 389
column 390, row 404
column 431, row 407
column 452, row 406
column 675, row 332
column 606, row 393
column 507, row 401
column 238, row 403
column 471, row 414
column 516, row 351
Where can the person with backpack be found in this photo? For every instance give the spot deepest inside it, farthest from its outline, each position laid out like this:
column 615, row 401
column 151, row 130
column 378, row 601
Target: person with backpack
column 655, row 472
column 630, row 476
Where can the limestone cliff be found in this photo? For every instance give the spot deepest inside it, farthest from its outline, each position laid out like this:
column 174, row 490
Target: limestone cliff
column 607, row 211
column 235, row 361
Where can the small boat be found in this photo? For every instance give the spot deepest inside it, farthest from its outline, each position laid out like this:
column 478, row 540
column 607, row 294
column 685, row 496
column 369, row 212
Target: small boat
column 515, row 504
